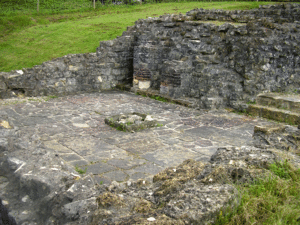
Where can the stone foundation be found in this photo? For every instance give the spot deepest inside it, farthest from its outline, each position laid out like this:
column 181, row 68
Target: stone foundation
column 219, row 58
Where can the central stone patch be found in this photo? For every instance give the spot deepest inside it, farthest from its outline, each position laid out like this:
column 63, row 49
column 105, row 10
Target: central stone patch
column 131, row 122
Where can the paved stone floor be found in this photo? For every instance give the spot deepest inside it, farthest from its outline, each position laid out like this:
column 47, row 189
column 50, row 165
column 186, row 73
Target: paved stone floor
column 73, row 127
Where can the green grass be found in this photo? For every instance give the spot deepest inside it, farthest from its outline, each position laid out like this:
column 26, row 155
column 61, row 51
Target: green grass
column 158, row 98
column 47, row 98
column 275, row 200
column 79, row 170
column 28, row 38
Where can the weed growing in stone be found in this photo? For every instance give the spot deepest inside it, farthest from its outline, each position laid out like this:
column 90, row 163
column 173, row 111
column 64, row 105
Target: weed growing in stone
column 79, row 170
column 159, row 98
column 121, row 127
column 275, row 200
column 14, row 102
column 34, row 100
column 50, row 97
column 251, row 102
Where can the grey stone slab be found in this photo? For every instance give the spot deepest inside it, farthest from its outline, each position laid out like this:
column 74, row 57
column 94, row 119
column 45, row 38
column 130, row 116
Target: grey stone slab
column 137, row 176
column 99, row 168
column 236, row 138
column 86, row 145
column 182, row 128
column 209, row 151
column 34, row 120
column 185, row 137
column 203, row 158
column 170, row 156
column 165, row 131
column 204, row 131
column 148, row 168
column 54, row 145
column 203, row 142
column 126, row 164
column 70, row 157
column 109, row 154
column 53, row 128
column 169, row 141
column 116, row 175
column 102, row 180
column 79, row 163
column 190, row 122
column 142, row 146
column 247, row 129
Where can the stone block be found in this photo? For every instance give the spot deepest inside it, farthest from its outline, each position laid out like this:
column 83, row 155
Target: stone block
column 144, row 84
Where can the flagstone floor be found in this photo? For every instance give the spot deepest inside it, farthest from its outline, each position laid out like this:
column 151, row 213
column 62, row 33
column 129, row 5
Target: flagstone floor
column 73, row 127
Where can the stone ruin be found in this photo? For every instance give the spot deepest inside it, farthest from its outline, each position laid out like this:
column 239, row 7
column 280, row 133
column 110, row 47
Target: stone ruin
column 208, row 59
column 131, row 122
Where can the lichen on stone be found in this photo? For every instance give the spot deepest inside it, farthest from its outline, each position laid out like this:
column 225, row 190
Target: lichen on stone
column 108, row 199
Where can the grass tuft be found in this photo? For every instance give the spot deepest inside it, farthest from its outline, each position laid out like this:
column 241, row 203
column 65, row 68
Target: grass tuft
column 47, row 98
column 275, row 200
column 79, row 170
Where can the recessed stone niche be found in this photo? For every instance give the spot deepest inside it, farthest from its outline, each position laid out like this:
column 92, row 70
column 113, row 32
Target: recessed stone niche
column 131, row 122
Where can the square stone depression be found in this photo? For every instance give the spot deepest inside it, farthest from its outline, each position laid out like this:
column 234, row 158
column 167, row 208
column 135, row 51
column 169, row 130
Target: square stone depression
column 131, row 122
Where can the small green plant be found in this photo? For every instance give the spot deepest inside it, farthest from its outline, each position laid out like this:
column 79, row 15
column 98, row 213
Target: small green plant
column 101, row 182
column 282, row 170
column 159, row 125
column 79, row 170
column 34, row 100
column 50, row 97
column 251, row 102
column 272, row 200
column 159, row 98
column 121, row 127
column 14, row 102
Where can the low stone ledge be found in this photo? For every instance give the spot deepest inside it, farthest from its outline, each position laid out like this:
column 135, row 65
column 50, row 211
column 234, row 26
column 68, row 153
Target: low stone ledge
column 131, row 122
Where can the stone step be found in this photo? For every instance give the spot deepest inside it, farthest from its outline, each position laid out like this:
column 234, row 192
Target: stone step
column 281, row 115
column 280, row 101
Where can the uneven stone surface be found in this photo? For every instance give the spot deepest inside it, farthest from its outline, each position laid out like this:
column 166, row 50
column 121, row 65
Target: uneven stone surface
column 131, row 122
column 45, row 144
column 281, row 107
column 285, row 138
column 60, row 163
column 191, row 193
column 225, row 62
column 280, row 100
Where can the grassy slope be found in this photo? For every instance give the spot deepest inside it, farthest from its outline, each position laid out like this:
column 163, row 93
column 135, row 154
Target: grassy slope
column 31, row 39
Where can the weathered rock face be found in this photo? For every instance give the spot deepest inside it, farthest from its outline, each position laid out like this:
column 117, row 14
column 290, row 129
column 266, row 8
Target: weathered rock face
column 191, row 193
column 43, row 144
column 221, row 65
column 285, row 138
column 131, row 122
column 182, row 56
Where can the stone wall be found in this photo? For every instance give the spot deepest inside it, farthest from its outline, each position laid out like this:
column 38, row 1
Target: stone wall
column 73, row 73
column 220, row 65
column 215, row 64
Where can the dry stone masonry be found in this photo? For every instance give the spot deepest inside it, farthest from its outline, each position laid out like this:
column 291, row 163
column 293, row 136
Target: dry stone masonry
column 61, row 162
column 212, row 58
